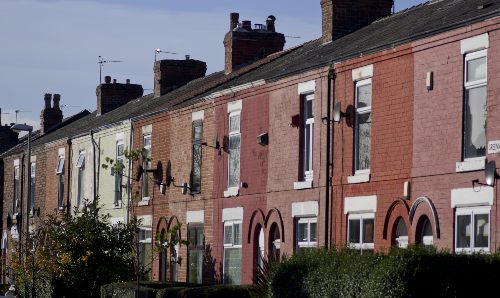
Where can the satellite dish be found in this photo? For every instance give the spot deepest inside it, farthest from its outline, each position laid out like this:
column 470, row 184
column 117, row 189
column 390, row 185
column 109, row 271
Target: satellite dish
column 168, row 173
column 490, row 172
column 337, row 113
column 138, row 173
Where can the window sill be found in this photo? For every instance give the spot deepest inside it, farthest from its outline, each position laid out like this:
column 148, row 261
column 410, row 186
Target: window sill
column 302, row 185
column 231, row 192
column 143, row 202
column 484, row 250
column 475, row 164
column 358, row 178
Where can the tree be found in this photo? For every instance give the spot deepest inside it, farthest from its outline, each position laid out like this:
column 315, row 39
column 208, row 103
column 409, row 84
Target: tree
column 80, row 253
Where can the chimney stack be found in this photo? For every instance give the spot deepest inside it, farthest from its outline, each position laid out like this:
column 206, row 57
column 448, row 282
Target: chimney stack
column 51, row 115
column 8, row 138
column 113, row 95
column 243, row 45
column 172, row 74
column 342, row 17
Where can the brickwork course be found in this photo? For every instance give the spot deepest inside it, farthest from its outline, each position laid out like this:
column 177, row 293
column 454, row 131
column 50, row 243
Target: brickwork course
column 417, row 167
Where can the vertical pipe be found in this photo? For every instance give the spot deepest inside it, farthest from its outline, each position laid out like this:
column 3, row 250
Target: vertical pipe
column 331, row 76
column 68, row 194
column 28, row 197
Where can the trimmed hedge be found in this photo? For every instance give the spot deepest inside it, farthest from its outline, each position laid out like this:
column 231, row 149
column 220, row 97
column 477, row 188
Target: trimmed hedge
column 413, row 272
column 177, row 290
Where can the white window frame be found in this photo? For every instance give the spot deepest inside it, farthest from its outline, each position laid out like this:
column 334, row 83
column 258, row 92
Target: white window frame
column 80, row 165
column 471, row 211
column 233, row 189
column 361, row 216
column 33, row 185
column 60, row 173
column 361, row 111
column 308, row 173
column 120, row 157
column 60, row 165
column 17, row 186
column 476, row 161
column 308, row 243
column 145, row 177
column 144, row 232
column 232, row 223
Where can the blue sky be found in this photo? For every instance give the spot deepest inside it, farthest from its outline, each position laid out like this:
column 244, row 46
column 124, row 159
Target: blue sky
column 52, row 46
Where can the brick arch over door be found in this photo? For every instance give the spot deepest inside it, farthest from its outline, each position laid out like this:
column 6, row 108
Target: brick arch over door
column 397, row 209
column 424, row 206
column 162, row 224
column 256, row 219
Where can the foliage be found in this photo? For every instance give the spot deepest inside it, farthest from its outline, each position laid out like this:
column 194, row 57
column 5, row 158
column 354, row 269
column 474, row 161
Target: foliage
column 79, row 251
column 413, row 272
column 180, row 290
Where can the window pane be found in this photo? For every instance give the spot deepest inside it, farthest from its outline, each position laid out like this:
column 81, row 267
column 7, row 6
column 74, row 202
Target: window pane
column 364, row 96
column 354, row 231
column 195, row 257
column 234, row 123
column 475, row 122
column 463, row 231
column 228, row 235
column 197, row 131
column 368, row 228
column 482, row 230
column 308, row 113
column 199, row 236
column 119, row 149
column 234, row 160
column 32, row 189
column 476, row 69
column 232, row 266
column 81, row 185
column 196, row 170
column 192, row 236
column 61, row 191
column 237, row 234
column 302, row 232
column 147, row 141
column 307, row 144
column 364, row 130
column 313, row 232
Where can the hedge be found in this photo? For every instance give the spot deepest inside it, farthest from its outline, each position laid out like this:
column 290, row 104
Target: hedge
column 413, row 272
column 177, row 290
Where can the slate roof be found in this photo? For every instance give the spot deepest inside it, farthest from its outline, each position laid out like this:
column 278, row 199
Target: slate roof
column 412, row 24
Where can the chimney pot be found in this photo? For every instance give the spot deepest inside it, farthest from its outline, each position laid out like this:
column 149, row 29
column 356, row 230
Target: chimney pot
column 188, row 57
column 107, row 79
column 233, row 20
column 128, row 81
column 56, row 99
column 270, row 23
column 114, row 81
column 247, row 25
column 47, row 98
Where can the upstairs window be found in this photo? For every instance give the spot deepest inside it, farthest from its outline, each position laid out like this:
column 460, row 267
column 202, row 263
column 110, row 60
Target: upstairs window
column 119, row 174
column 146, row 145
column 197, row 139
column 474, row 126
column 363, row 129
column 17, row 190
column 308, row 134
column 60, row 188
column 234, row 150
column 32, row 185
column 80, row 165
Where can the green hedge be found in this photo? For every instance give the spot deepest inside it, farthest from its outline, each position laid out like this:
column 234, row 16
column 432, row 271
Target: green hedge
column 175, row 290
column 414, row 272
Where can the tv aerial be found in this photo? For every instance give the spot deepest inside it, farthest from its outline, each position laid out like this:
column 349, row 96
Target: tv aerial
column 101, row 61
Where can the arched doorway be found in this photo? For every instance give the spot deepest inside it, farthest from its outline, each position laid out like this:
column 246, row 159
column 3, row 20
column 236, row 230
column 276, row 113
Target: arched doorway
column 424, row 234
column 163, row 258
column 400, row 234
column 259, row 247
column 274, row 241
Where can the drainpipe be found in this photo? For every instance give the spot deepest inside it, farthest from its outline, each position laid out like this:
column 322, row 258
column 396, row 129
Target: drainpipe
column 68, row 196
column 331, row 78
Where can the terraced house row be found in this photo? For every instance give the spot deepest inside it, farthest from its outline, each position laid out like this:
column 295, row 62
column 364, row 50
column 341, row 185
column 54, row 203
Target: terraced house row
column 374, row 135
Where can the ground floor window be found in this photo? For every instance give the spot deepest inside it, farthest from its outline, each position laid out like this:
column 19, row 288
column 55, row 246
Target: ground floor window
column 472, row 229
column 306, row 233
column 232, row 252
column 360, row 231
column 196, row 240
column 145, row 252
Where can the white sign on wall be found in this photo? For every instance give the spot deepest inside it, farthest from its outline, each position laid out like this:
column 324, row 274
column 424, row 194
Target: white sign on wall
column 493, row 147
